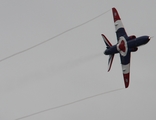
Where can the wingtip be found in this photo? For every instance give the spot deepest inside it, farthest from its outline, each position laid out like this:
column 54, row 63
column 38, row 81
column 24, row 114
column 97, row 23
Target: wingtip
column 113, row 8
column 126, row 86
column 126, row 80
column 115, row 14
column 102, row 35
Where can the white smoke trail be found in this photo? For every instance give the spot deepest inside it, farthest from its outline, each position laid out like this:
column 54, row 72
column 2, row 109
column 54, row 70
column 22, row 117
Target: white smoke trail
column 70, row 103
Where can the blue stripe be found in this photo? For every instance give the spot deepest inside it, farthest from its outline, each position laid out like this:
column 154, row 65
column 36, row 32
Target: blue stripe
column 125, row 59
column 121, row 32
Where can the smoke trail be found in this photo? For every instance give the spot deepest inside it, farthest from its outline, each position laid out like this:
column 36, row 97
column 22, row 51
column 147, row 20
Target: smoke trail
column 70, row 103
column 45, row 41
column 77, row 62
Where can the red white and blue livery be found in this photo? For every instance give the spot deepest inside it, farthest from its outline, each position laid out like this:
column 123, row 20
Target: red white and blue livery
column 125, row 45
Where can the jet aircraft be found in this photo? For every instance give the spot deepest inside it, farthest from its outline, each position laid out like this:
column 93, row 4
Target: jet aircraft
column 125, row 45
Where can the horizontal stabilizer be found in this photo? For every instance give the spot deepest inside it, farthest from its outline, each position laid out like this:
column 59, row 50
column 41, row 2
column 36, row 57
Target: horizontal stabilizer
column 110, row 61
column 108, row 44
column 111, row 57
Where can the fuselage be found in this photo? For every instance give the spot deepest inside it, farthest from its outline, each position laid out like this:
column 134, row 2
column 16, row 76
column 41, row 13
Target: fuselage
column 131, row 44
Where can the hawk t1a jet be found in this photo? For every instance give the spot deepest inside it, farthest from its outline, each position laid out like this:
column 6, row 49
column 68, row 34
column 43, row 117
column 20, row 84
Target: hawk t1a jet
column 125, row 45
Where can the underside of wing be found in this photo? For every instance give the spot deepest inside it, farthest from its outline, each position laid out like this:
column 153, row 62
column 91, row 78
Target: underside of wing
column 126, row 74
column 120, row 31
column 125, row 62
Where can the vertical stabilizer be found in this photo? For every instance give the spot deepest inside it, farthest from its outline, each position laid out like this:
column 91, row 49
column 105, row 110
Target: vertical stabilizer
column 111, row 57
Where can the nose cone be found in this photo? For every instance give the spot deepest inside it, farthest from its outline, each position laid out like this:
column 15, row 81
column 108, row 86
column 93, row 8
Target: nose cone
column 145, row 39
column 149, row 38
column 142, row 40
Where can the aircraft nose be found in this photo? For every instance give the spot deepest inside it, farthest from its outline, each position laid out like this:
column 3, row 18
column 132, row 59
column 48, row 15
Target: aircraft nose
column 149, row 38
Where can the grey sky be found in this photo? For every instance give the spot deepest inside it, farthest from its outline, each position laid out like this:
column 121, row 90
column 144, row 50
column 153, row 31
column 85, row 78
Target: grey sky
column 72, row 66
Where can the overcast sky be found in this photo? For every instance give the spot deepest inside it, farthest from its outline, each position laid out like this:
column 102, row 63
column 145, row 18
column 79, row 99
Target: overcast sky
column 72, row 66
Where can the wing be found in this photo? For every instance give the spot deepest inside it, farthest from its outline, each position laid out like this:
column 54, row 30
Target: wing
column 125, row 62
column 120, row 30
column 125, row 53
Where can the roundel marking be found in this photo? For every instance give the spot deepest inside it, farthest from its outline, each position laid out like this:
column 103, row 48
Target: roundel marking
column 122, row 46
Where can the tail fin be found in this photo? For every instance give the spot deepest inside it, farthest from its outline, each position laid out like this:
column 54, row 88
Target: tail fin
column 110, row 61
column 111, row 57
column 108, row 44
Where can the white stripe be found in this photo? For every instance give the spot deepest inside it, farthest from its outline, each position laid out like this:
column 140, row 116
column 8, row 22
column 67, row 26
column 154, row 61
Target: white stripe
column 118, row 24
column 126, row 68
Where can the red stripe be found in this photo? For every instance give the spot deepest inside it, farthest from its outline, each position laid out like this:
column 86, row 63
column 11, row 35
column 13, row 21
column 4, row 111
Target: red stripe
column 126, row 80
column 115, row 14
column 122, row 46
